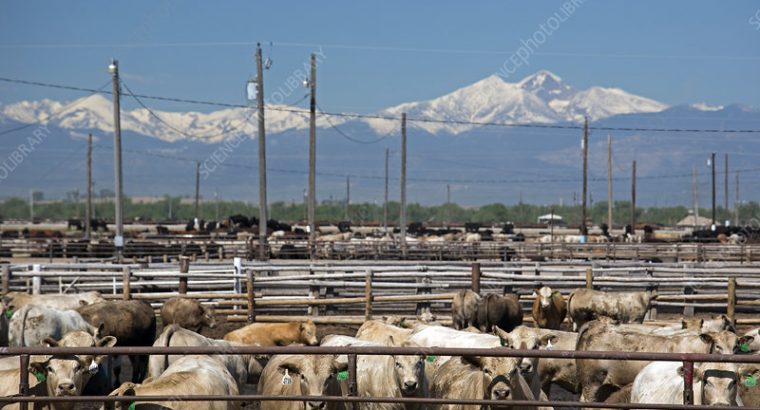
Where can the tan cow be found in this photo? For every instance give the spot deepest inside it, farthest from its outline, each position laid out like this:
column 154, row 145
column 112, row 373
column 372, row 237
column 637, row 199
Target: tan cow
column 549, row 308
column 749, row 384
column 16, row 300
column 188, row 376
column 275, row 334
column 244, row 368
column 188, row 313
column 714, row 384
column 58, row 376
column 585, row 305
column 379, row 331
column 599, row 378
column 301, row 375
column 464, row 309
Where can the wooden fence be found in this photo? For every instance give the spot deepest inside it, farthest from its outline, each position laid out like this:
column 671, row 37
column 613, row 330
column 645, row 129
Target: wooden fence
column 349, row 293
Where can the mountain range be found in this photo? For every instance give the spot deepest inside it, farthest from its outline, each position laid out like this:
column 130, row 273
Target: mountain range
column 454, row 145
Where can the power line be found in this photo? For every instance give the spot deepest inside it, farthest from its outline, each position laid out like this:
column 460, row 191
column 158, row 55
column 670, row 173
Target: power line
column 350, row 138
column 395, row 118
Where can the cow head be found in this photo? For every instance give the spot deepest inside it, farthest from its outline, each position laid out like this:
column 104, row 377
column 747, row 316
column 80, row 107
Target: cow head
column 544, row 295
column 722, row 342
column 208, row 317
column 313, row 374
column 409, row 370
column 717, row 382
column 526, row 339
column 67, row 375
column 752, row 340
column 498, row 373
column 308, row 333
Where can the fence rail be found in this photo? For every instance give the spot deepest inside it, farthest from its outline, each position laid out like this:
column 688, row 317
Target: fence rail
column 352, row 352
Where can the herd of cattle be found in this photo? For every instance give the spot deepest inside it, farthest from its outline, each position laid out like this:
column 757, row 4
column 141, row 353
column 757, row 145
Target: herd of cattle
column 605, row 321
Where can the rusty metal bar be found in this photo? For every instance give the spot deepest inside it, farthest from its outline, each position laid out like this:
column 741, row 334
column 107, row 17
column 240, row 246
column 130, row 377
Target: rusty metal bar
column 348, row 399
column 23, row 387
column 184, row 268
column 353, row 385
column 250, row 295
column 475, row 281
column 688, row 382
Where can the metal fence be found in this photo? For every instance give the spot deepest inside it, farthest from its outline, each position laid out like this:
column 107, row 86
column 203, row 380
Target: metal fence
column 352, row 352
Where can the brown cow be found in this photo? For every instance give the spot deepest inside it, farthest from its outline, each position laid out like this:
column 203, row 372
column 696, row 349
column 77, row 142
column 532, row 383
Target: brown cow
column 503, row 311
column 464, row 309
column 132, row 322
column 585, row 305
column 275, row 334
column 188, row 313
column 58, row 376
column 549, row 308
column 301, row 375
column 600, row 378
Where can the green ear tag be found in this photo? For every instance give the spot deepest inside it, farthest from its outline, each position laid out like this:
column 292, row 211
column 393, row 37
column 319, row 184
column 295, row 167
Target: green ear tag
column 401, row 323
column 40, row 377
column 9, row 313
column 503, row 343
column 744, row 347
column 431, row 358
column 750, row 381
column 132, row 406
column 343, row 375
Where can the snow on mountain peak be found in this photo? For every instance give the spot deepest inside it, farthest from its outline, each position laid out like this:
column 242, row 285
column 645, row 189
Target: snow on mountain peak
column 702, row 106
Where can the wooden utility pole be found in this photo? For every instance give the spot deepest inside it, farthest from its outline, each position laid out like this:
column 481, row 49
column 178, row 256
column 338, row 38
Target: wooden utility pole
column 385, row 203
column 609, row 181
column 584, row 150
column 197, row 190
column 737, row 201
column 312, row 155
column 88, row 207
column 402, row 216
column 725, row 184
column 348, row 196
column 712, row 164
column 113, row 68
column 694, row 201
column 262, row 157
column 633, row 197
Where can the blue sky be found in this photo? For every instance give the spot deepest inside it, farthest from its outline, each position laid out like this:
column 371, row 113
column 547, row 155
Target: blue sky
column 673, row 51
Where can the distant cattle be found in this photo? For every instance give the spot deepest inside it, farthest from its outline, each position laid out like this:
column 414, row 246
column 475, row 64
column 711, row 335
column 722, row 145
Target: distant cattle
column 503, row 311
column 275, row 334
column 188, row 375
column 585, row 305
column 188, row 313
column 32, row 324
column 464, row 308
column 549, row 308
column 301, row 375
column 132, row 322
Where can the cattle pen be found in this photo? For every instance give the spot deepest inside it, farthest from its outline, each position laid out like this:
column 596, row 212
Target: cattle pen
column 341, row 292
column 352, row 353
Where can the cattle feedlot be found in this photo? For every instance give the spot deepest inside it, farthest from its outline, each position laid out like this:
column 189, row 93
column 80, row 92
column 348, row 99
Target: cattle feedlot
column 371, row 334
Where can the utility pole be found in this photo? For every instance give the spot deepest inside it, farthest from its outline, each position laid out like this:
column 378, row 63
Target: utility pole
column 31, row 205
column 402, row 216
column 694, row 202
column 118, row 240
column 348, row 195
column 737, row 202
column 609, row 181
column 584, row 149
column 197, row 189
column 88, row 207
column 712, row 163
column 313, row 156
column 448, row 194
column 385, row 204
column 262, row 157
column 216, row 204
column 725, row 184
column 633, row 197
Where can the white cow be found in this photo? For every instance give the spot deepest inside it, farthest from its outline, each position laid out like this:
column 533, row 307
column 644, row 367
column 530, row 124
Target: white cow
column 662, row 383
column 31, row 324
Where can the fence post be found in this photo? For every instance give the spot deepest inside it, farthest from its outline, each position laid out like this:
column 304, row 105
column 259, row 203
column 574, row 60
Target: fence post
column 423, row 308
column 653, row 289
column 23, row 386
column 126, row 276
column 589, row 278
column 36, row 280
column 249, row 289
column 688, row 380
column 237, row 264
column 475, row 281
column 688, row 309
column 368, row 295
column 731, row 306
column 352, row 385
column 184, row 268
column 6, row 279
column 313, row 310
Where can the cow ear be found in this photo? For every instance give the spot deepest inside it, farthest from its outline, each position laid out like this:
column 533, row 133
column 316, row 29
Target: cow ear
column 684, row 325
column 679, row 370
column 38, row 367
column 707, row 339
column 548, row 338
column 745, row 341
column 391, row 340
column 340, row 365
column 472, row 360
column 535, row 292
column 107, row 341
column 82, row 303
column 50, row 342
column 504, row 336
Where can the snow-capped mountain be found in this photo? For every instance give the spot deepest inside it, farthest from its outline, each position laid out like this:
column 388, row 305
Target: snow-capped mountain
column 539, row 98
